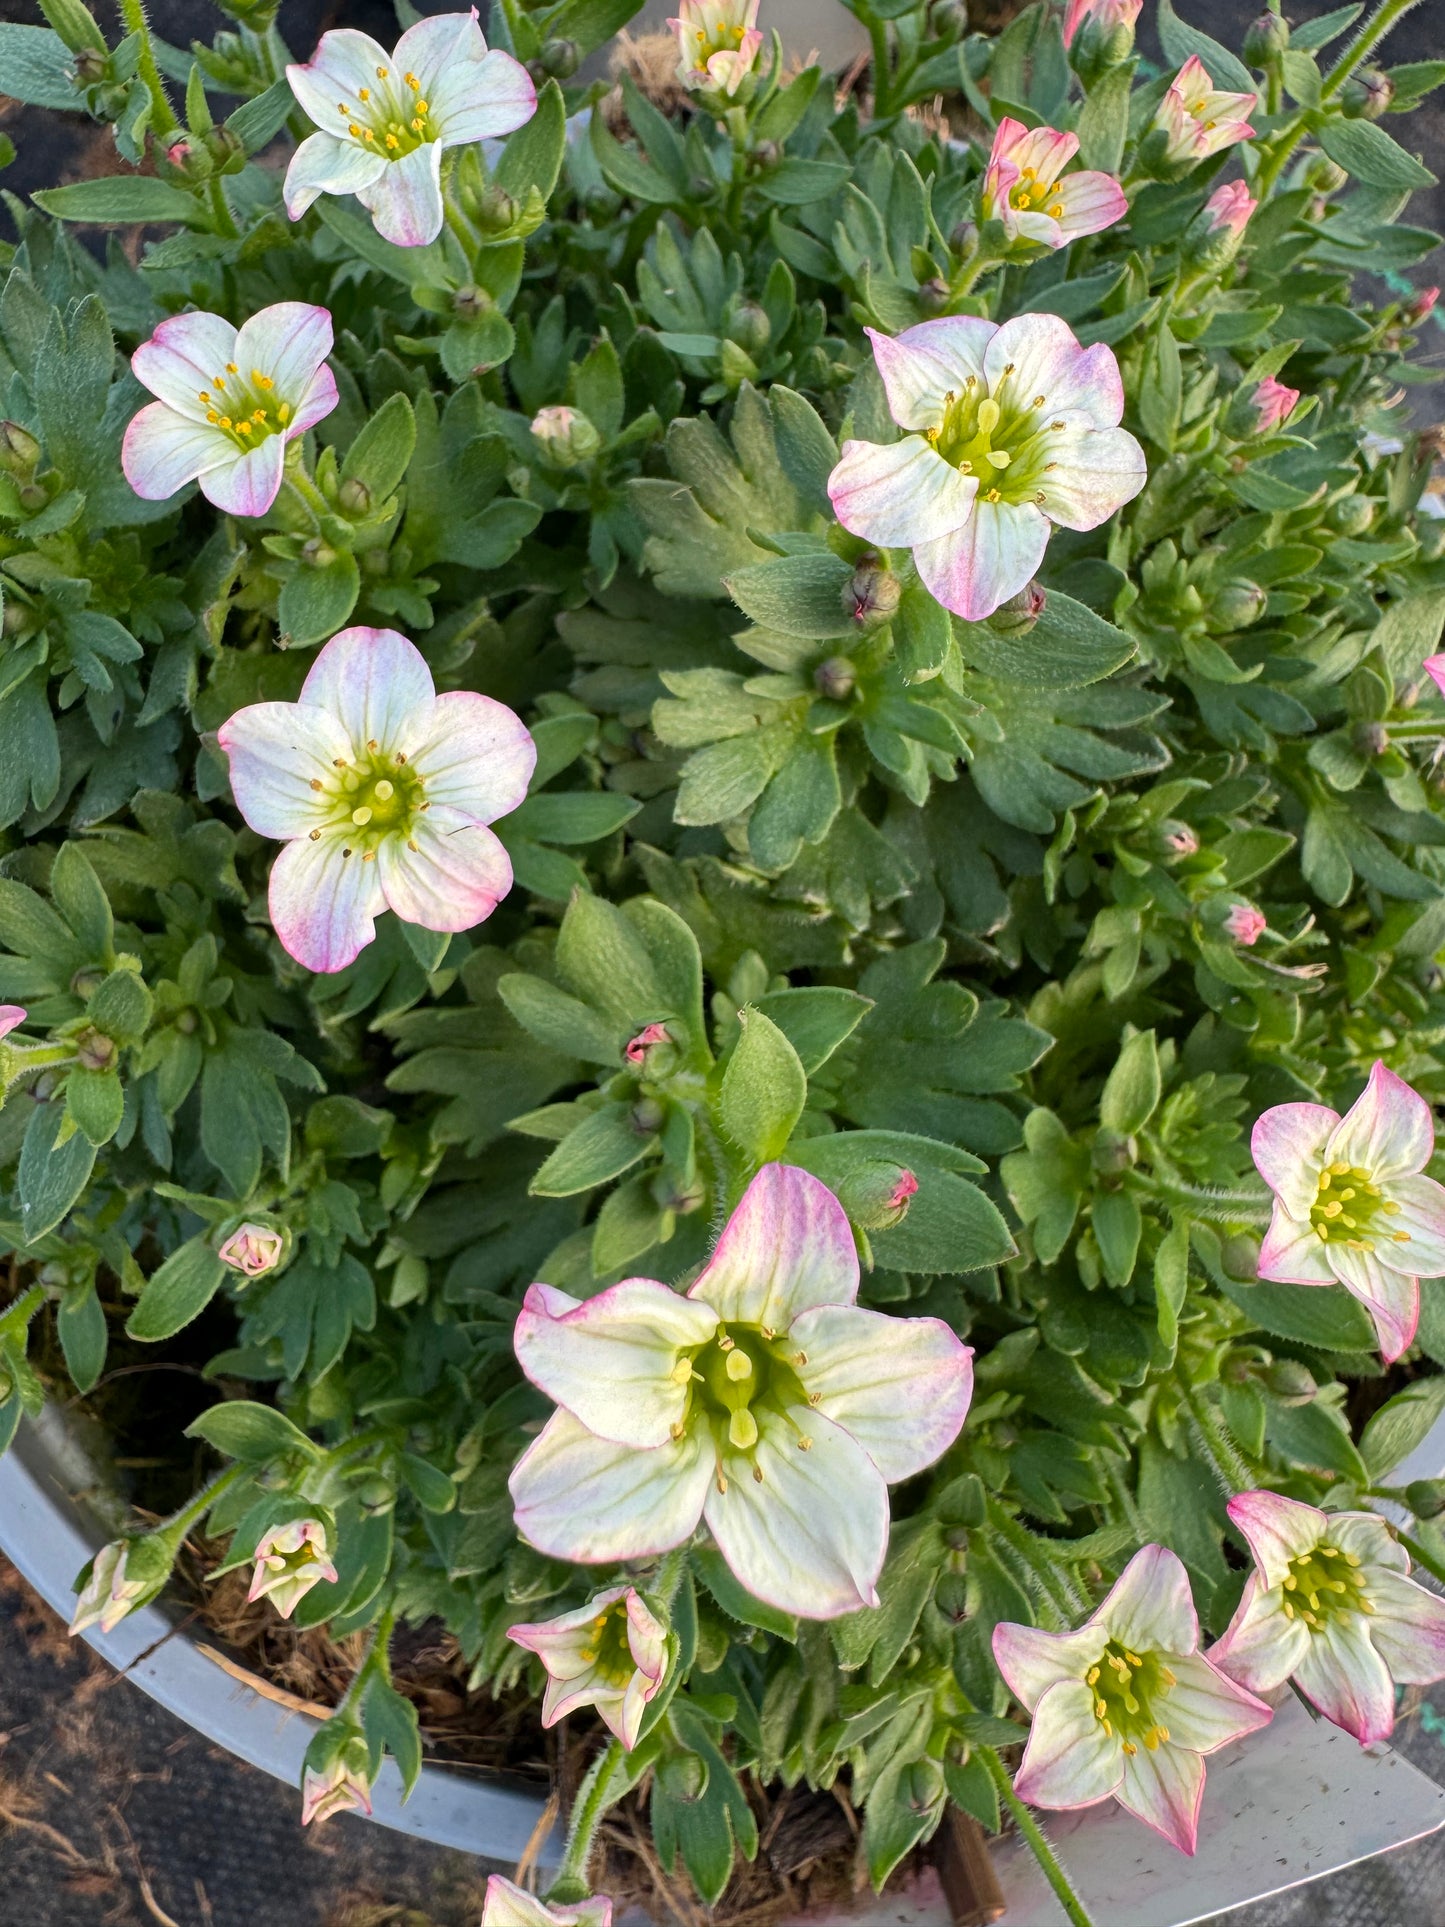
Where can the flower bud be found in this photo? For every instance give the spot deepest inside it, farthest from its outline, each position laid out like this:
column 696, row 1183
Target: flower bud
column 566, row 436
column 963, row 1501
column 1245, row 924
column 963, row 237
column 317, row 553
column 647, row 1046
column 1420, row 307
column 254, row 1249
column 1213, row 236
column 494, row 208
column 1099, row 34
column 872, row 596
column 559, row 59
column 19, row 450
column 1351, row 515
column 340, row 1784
column 91, row 66
column 1112, row 1153
column 766, row 154
column 950, row 1596
column 1367, row 94
column 750, row 328
column 1370, row 739
column 375, row 1494
column 122, row 1577
column 1260, row 410
column 1266, row 40
column 1290, row 1381
column 470, row 303
column 1239, row 1257
column 935, row 295
column 647, row 1116
column 94, row 1051
column 877, row 1196
column 834, row 679
column 1324, row 175
column 683, row 1776
column 1019, row 614
column 1426, row 1497
column 1238, row 605
column 290, row 1560
column 1175, row 841
column 668, row 1194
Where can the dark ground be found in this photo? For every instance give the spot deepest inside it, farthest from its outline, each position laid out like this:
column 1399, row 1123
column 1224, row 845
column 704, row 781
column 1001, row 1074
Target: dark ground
column 112, row 1813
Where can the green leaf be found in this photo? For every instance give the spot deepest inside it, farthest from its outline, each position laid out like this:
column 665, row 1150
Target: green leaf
column 971, row 1787
column 1179, row 40
column 739, row 1604
column 1117, row 1226
column 815, row 1021
column 431, row 1487
column 118, row 200
column 533, row 155
column 390, row 1720
column 380, row 454
column 1325, row 1316
column 76, row 892
column 254, row 1433
column 1068, row 647
column 1312, row 1435
column 800, row 595
column 96, row 1102
column 54, row 1169
column 176, row 1293
column 260, row 120
column 121, row 1006
column 1367, row 152
column 315, row 603
column 1401, row 1424
column 603, row 1146
column 1132, row 1091
column 83, row 1337
column 764, row 1089
column 37, row 66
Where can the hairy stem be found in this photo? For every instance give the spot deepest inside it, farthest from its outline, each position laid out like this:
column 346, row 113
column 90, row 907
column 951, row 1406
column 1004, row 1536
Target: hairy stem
column 163, row 115
column 587, row 1811
column 1369, row 37
column 1033, row 1833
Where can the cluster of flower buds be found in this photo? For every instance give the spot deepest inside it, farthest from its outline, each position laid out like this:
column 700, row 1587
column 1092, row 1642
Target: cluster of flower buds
column 1099, row 34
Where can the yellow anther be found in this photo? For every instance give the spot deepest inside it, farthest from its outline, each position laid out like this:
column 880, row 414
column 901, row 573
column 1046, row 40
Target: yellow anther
column 1130, row 1748
column 1091, row 1678
column 212, row 416
column 231, row 368
column 414, row 847
column 800, row 1358
column 204, row 396
column 815, row 1398
column 722, row 1484
column 258, row 414
column 338, row 762
column 993, row 495
column 369, row 857
column 805, row 1444
column 283, row 413
column 768, row 1332
column 757, row 1475
column 381, row 73
column 263, row 382
column 417, row 126
column 225, row 421
column 343, row 109
column 411, row 81
column 243, row 428
column 392, row 141
column 1056, row 212
column 363, row 93
column 1101, row 1707
column 421, row 107
column 316, row 783
column 1058, row 424
column 401, row 756
column 356, row 134
column 1040, row 400
column 316, row 836
column 1390, row 1206
column 372, row 743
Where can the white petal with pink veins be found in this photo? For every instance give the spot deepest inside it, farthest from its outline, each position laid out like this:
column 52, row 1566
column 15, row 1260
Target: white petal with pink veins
column 786, row 1248
column 1293, row 1252
column 287, row 341
column 1164, row 1789
column 324, row 906
column 1032, row 1661
column 1261, row 1646
column 1091, row 203
column 1278, row 1530
column 345, row 62
column 1046, row 359
column 182, row 359
column 899, row 493
column 994, row 555
column 276, row 752
column 1407, row 1628
column 474, row 754
column 405, row 202
column 928, row 363
column 1204, row 1710
column 164, row 450
column 455, row 877
column 1288, row 1147
column 1392, row 1298
column 1070, row 1761
column 375, row 682
column 1092, row 472
column 900, row 1386
column 1388, row 1131
column 1343, row 1675
column 1151, row 1608
column 328, row 164
column 580, row 1497
column 249, row 483
column 1421, row 1218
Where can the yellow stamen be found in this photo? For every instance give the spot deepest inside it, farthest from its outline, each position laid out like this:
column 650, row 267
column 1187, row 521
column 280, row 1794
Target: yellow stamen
column 316, row 783
column 411, row 81
column 283, row 413
column 381, row 73
column 263, row 382
column 363, row 93
column 316, row 836
column 225, row 421
column 757, row 1475
column 805, row 1444
column 231, row 368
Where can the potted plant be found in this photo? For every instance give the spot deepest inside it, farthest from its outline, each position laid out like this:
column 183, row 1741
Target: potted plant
column 721, row 879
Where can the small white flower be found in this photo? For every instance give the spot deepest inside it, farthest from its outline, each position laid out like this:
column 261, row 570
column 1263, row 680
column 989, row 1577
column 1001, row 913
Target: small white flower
column 290, row 1560
column 610, row 1654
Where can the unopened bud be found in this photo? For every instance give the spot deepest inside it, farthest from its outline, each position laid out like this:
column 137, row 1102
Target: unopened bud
column 91, row 66
column 375, row 1494
column 949, row 19
column 963, row 238
column 1351, row 515
column 1238, row 605
column 254, row 1249
column 1426, row 1497
column 94, row 1051
column 750, row 328
column 922, row 1785
column 318, row 553
column 934, row 295
column 1290, row 1381
column 767, row 154
column 19, row 450
column 1239, row 1257
column 834, row 679
column 963, row 1501
column 495, row 209
column 1420, row 307
column 950, row 1596
column 1266, row 40
column 872, row 596
column 566, row 436
column 559, row 59
column 683, row 1199
column 1112, row 1152
column 1370, row 738
column 1324, row 175
column 470, row 302
column 683, row 1776
column 1019, row 614
column 877, row 1197
column 646, row 1116
column 1367, row 94
column 1176, row 841
column 354, row 497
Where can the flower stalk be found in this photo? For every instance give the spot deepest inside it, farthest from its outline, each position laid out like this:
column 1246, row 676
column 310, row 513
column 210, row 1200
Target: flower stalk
column 1033, row 1833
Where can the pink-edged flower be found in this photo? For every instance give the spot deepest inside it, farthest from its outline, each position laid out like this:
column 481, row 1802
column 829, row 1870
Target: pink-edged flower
column 254, row 1249
column 290, row 1560
column 1106, row 15
column 1026, row 190
column 1350, row 1204
column 507, row 1905
column 1273, row 404
column 229, row 400
column 1127, row 1705
column 381, row 790
column 386, row 117
column 11, row 1017
column 1245, row 924
column 765, row 1402
column 1434, row 667
column 1197, row 120
column 718, row 44
column 1008, row 430
column 126, row 1574
column 1330, row 1606
column 610, row 1653
column 343, row 1785
column 1229, row 207
column 642, row 1043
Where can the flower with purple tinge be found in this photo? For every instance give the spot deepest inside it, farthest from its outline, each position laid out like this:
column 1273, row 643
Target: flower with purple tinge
column 290, row 1560
column 765, row 1402
column 507, row 1905
column 1008, row 430
column 1273, row 404
column 718, row 44
column 342, row 1786
column 1229, row 207
column 642, row 1043
column 1127, row 1705
column 1026, row 190
column 11, row 1017
column 610, row 1654
column 1197, row 120
column 382, row 791
column 1350, row 1204
column 1330, row 1606
column 1245, row 924
column 1180, row 840
column 384, row 118
column 1106, row 15
column 254, row 1249
column 229, row 401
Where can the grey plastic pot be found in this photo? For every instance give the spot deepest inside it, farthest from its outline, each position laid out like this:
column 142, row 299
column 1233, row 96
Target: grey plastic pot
column 1288, row 1805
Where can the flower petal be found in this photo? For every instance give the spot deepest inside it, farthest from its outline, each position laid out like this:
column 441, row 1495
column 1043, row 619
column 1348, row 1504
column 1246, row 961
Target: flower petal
column 405, row 201
column 250, row 483
column 1277, row 1530
column 471, row 94
column 344, row 62
column 1205, row 1709
column 900, row 1386
column 1422, row 1218
column 990, row 558
column 1407, row 1629
column 163, row 450
column 925, row 364
column 1260, row 1647
column 276, row 751
column 1047, row 360
column 1032, row 1661
column 584, row 1498
column 1343, row 1675
column 786, row 1248
column 1368, row 1536
column 183, row 357
column 611, row 1360
column 899, row 493
column 1288, row 1147
column 1044, row 149
column 324, row 906
column 1293, row 1253
column 1164, row 1790
column 455, row 877
column 325, row 164
column 315, row 404
column 1070, row 1761
column 1392, row 1298
column 507, row 1905
column 1091, row 202
column 1093, row 472
column 287, row 341
column 1388, row 1131
column 473, row 754
column 810, row 1535
column 1151, row 1607
column 375, row 682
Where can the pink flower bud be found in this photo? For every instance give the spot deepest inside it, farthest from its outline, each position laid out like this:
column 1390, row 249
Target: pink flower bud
column 642, row 1043
column 1420, row 308
column 1273, row 404
column 1434, row 667
column 343, row 1786
column 1180, row 840
column 1105, row 14
column 566, row 436
column 178, row 153
column 11, row 1015
column 1245, row 924
column 254, row 1249
column 1229, row 208
column 905, row 1188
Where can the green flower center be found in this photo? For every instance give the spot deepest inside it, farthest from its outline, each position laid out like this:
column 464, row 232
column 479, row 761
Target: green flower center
column 1324, row 1586
column 392, row 117
column 998, row 438
column 742, row 1371
column 722, row 40
column 246, row 408
column 376, row 796
column 1030, row 192
column 608, row 1647
column 1126, row 1686
column 1349, row 1208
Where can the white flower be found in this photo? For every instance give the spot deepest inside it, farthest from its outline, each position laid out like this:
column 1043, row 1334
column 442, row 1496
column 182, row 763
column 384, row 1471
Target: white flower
column 507, row 1905
column 610, row 1653
column 718, row 44
column 290, row 1560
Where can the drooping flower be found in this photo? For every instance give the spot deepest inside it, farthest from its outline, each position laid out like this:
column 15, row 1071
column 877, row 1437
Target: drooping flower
column 507, row 1905
column 718, row 44
column 1330, row 1605
column 1350, row 1204
column 254, row 1249
column 124, row 1575
column 1197, row 120
column 565, row 435
column 342, row 1786
column 1105, row 15
column 381, row 790
column 610, row 1653
column 1245, row 924
column 642, row 1043
column 229, row 400
column 1229, row 207
column 1008, row 430
column 1127, row 1705
column 1026, row 190
column 385, row 118
column 1273, row 404
column 290, row 1560
column 765, row 1402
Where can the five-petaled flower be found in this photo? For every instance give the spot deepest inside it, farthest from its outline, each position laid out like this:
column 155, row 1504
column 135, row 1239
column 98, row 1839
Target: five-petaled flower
column 1107, row 16
column 254, row 1249
column 1229, row 207
column 1329, row 1605
column 610, row 1653
column 382, row 790
column 1350, row 1204
column 718, row 43
column 384, row 118
column 290, row 1560
column 1127, row 1705
column 507, row 1905
column 229, row 401
column 1008, row 430
column 1245, row 924
column 343, row 1785
column 1197, row 120
column 1027, row 192
column 765, row 1402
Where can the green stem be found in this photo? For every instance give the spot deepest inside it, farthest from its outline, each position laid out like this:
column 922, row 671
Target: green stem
column 669, row 1577
column 1031, row 1831
column 1421, row 1557
column 180, row 1523
column 1228, row 1462
column 163, row 115
column 1214, row 1201
column 587, row 1811
column 882, row 89
column 1060, row 1590
column 221, row 215
column 1369, row 36
column 301, row 484
column 17, row 1316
